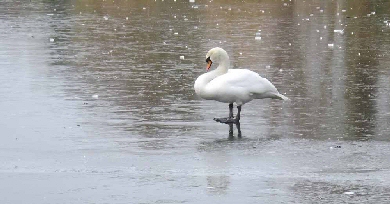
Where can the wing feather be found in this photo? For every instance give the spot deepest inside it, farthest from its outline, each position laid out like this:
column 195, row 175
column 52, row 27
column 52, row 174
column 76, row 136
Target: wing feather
column 241, row 85
column 245, row 79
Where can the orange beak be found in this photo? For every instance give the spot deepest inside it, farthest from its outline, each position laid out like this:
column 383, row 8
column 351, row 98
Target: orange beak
column 208, row 65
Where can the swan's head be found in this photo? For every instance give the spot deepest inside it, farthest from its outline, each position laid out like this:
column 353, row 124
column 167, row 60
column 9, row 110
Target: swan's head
column 216, row 55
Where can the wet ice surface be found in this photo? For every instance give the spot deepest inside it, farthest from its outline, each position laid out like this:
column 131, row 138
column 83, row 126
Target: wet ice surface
column 98, row 103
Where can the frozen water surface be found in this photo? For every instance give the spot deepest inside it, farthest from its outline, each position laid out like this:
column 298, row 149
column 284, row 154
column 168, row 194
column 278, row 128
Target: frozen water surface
column 97, row 102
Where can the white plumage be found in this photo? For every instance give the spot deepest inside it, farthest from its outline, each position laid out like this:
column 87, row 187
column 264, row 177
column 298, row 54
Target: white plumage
column 232, row 85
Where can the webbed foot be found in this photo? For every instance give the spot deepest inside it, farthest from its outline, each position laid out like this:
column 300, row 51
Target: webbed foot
column 228, row 120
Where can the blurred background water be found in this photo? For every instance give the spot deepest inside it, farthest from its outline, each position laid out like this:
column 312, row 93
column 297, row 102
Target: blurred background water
column 100, row 94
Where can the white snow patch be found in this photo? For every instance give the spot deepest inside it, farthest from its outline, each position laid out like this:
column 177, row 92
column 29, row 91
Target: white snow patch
column 339, row 31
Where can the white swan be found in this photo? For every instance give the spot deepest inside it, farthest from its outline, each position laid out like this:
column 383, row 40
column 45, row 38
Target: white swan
column 232, row 85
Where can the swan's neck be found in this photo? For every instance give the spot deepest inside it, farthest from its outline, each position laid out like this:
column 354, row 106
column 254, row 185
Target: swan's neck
column 223, row 67
column 201, row 83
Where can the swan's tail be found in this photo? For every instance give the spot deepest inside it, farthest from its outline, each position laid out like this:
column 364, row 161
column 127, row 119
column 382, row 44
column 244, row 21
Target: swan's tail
column 281, row 97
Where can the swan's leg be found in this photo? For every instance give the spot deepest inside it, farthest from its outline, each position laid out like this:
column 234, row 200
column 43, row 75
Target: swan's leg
column 229, row 119
column 238, row 113
column 230, row 110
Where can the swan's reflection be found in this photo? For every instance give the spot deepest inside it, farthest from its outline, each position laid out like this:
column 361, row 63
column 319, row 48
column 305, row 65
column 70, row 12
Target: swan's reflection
column 231, row 135
column 218, row 184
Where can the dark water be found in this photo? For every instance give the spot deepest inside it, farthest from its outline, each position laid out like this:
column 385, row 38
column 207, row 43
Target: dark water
column 98, row 105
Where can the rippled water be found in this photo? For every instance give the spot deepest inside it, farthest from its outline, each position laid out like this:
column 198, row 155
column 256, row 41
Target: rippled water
column 101, row 87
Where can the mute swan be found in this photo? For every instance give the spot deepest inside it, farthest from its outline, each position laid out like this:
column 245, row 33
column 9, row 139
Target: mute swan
column 232, row 85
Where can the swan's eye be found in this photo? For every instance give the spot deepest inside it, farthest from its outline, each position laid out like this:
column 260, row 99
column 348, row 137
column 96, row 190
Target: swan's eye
column 208, row 60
